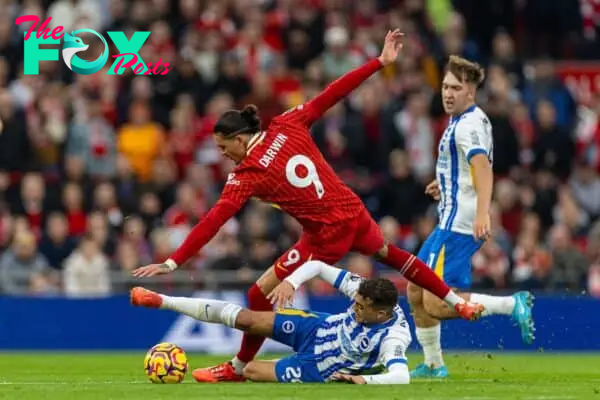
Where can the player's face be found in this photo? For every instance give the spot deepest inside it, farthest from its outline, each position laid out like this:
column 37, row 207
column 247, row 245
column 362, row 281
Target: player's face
column 366, row 313
column 233, row 148
column 456, row 96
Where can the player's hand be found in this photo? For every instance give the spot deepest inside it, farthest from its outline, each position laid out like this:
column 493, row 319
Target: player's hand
column 355, row 379
column 433, row 190
column 482, row 227
column 151, row 270
column 283, row 295
column 391, row 47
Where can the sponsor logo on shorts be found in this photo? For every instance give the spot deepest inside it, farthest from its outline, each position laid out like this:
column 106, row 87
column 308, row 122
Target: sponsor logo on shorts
column 288, row 326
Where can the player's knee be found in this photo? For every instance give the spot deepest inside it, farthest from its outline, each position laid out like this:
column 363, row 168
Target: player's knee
column 415, row 295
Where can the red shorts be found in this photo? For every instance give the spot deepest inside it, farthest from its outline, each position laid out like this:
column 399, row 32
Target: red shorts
column 332, row 243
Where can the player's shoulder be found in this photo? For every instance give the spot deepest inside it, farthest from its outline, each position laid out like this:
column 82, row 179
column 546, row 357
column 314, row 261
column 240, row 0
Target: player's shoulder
column 291, row 113
column 397, row 335
column 475, row 117
column 247, row 169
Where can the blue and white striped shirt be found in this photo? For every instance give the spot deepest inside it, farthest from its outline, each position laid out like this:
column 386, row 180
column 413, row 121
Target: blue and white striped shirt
column 467, row 134
column 343, row 345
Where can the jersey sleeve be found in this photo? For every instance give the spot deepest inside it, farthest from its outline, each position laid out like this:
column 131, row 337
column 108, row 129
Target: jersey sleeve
column 472, row 138
column 237, row 190
column 393, row 351
column 342, row 280
column 307, row 113
column 348, row 283
column 239, row 187
column 300, row 114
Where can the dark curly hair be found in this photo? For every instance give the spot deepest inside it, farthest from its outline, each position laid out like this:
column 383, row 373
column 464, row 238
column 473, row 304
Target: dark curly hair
column 382, row 293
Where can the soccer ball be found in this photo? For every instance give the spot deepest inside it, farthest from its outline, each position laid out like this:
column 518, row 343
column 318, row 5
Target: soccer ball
column 165, row 363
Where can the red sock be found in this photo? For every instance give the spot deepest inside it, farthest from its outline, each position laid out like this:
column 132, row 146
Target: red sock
column 252, row 343
column 415, row 271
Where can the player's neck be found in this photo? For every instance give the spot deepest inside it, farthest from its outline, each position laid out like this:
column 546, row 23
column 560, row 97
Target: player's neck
column 468, row 108
column 253, row 140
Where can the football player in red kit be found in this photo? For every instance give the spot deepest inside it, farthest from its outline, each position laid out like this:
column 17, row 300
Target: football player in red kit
column 283, row 166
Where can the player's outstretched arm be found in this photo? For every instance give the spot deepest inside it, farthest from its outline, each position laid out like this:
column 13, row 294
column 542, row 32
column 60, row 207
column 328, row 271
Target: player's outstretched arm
column 201, row 234
column 341, row 87
column 397, row 374
column 283, row 294
column 235, row 194
column 392, row 355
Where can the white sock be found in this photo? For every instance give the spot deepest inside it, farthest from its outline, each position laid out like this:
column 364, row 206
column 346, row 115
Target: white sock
column 208, row 310
column 502, row 305
column 453, row 299
column 430, row 340
column 238, row 365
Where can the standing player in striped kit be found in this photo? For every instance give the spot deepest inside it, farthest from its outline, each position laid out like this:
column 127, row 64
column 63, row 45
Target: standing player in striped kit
column 463, row 186
column 282, row 165
column 372, row 333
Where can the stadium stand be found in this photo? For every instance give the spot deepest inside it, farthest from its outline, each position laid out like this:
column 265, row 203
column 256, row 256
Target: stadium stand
column 102, row 173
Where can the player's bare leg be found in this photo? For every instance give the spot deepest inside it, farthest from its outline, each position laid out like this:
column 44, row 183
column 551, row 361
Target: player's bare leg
column 260, row 371
column 257, row 300
column 258, row 323
column 215, row 311
column 438, row 309
column 428, row 334
column 417, row 272
column 252, row 342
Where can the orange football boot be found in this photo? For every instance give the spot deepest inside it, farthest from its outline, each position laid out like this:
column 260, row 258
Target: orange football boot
column 145, row 298
column 219, row 373
column 469, row 311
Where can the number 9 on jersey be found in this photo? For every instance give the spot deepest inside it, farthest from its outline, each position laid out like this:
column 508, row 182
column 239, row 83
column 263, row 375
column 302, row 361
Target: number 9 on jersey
column 312, row 178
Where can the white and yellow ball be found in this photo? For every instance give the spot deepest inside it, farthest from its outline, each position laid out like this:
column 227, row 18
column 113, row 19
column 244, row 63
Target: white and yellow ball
column 165, row 363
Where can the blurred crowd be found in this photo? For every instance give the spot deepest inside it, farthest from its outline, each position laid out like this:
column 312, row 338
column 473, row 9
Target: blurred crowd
column 102, row 173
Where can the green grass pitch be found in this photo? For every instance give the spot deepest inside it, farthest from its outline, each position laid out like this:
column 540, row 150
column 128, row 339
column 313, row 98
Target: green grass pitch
column 475, row 376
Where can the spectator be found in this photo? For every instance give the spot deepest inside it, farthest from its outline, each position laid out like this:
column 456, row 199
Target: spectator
column 546, row 86
column 532, row 263
column 491, row 266
column 86, row 271
column 585, row 186
column 56, row 245
column 402, row 196
column 553, row 149
column 74, row 208
column 93, row 141
column 23, row 269
column 569, row 266
column 337, row 58
column 141, row 141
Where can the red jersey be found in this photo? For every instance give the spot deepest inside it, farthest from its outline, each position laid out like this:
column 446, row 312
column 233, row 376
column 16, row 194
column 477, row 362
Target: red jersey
column 283, row 166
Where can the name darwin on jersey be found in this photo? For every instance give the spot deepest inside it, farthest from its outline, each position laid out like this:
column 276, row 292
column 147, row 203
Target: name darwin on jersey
column 273, row 150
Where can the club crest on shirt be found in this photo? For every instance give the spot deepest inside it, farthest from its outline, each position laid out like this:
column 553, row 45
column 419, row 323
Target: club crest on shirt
column 231, row 180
